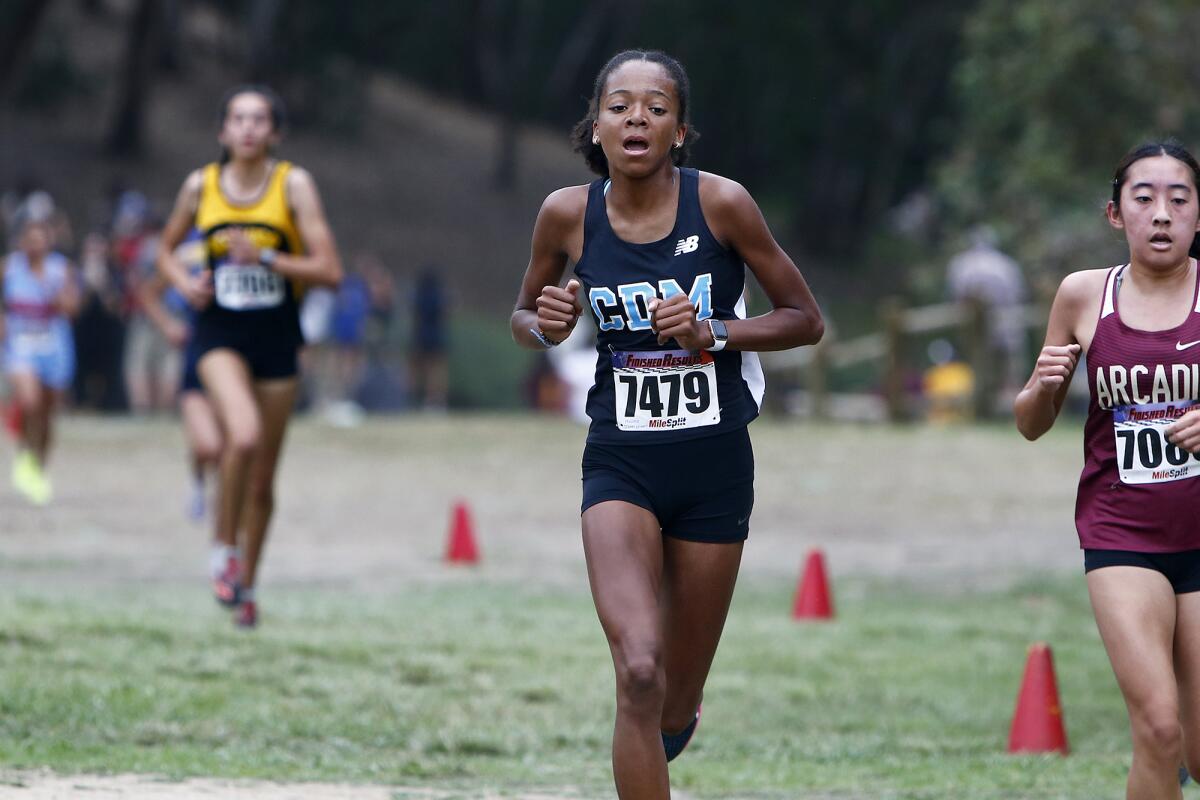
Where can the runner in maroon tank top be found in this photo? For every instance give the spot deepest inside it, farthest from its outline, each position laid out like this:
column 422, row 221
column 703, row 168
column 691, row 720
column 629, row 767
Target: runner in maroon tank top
column 1138, row 507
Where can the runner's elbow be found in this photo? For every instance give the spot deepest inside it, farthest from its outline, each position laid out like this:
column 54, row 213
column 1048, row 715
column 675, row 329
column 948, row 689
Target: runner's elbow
column 815, row 329
column 809, row 328
column 1031, row 429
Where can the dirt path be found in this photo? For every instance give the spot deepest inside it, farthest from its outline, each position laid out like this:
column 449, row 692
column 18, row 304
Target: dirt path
column 41, row 786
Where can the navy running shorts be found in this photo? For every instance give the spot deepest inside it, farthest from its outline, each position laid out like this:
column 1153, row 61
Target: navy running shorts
column 1182, row 569
column 190, row 381
column 701, row 490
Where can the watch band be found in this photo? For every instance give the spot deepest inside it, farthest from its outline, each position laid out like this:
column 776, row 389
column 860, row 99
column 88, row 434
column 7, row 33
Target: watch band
column 545, row 340
column 719, row 333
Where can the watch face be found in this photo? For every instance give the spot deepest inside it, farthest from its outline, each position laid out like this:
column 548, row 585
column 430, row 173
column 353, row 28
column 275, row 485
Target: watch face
column 718, row 329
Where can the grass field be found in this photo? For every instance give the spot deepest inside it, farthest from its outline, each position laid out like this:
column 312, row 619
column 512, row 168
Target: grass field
column 376, row 665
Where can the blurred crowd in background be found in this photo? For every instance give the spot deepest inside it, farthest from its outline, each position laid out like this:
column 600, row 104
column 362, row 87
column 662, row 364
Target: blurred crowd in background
column 377, row 343
column 380, row 342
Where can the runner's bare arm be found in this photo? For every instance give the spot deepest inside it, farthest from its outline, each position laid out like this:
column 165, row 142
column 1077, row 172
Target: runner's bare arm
column 1037, row 405
column 737, row 222
column 183, row 216
column 320, row 264
column 150, row 297
column 541, row 303
column 196, row 289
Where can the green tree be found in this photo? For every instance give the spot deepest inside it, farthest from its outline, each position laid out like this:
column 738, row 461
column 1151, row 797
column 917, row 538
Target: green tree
column 1052, row 95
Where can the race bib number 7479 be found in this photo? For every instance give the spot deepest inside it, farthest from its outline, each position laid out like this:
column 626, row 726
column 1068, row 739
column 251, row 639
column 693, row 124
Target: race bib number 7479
column 1143, row 453
column 658, row 390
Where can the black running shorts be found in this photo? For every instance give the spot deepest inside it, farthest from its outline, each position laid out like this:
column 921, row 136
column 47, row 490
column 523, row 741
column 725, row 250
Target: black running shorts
column 700, row 490
column 267, row 359
column 1182, row 569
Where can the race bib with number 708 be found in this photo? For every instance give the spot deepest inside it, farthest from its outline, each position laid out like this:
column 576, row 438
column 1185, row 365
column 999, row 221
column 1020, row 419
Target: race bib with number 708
column 661, row 390
column 1143, row 453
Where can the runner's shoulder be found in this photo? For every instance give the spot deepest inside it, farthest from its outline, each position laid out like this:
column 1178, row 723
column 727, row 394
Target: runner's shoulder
column 566, row 205
column 1081, row 288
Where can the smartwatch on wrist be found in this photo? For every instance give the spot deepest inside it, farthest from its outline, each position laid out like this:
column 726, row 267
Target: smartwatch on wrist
column 266, row 256
column 720, row 335
column 545, row 340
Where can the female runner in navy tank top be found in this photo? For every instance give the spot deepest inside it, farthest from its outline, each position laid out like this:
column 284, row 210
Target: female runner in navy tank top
column 660, row 252
column 1138, row 506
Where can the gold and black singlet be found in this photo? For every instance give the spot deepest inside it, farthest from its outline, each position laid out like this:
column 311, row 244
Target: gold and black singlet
column 252, row 305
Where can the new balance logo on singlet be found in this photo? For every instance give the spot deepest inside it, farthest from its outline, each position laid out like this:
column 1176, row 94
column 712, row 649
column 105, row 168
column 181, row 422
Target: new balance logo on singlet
column 688, row 245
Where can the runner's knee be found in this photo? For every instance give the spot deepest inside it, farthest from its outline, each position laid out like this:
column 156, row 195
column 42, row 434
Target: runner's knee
column 244, row 436
column 1158, row 732
column 206, row 450
column 641, row 680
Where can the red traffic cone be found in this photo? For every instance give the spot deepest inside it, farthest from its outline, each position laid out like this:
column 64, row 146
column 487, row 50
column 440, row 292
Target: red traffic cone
column 1037, row 725
column 813, row 600
column 460, row 544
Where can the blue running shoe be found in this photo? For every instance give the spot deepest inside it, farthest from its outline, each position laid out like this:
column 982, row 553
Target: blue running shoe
column 674, row 743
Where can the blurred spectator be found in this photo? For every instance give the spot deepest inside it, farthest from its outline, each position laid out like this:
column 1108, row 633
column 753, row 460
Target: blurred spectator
column 26, row 202
column 430, row 371
column 381, row 387
column 10, row 203
column 382, row 291
column 152, row 362
column 316, row 367
column 99, row 330
column 982, row 273
column 348, row 327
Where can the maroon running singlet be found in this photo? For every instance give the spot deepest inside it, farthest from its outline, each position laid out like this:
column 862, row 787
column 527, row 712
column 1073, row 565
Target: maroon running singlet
column 1137, row 491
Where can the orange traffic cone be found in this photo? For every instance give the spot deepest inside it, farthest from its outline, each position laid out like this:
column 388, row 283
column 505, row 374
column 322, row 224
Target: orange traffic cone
column 460, row 544
column 1037, row 725
column 813, row 600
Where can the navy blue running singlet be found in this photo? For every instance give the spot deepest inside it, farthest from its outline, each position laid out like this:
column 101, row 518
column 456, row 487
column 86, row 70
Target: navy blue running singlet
column 644, row 392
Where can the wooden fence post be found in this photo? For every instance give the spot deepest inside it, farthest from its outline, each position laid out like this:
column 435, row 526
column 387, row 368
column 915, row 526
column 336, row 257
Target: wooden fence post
column 977, row 341
column 818, row 380
column 891, row 314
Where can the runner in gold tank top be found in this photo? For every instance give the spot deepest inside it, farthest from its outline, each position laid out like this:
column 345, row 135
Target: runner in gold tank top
column 266, row 236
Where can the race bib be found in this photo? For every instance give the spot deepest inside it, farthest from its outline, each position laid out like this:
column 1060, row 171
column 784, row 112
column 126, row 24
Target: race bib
column 243, row 287
column 660, row 390
column 1143, row 453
